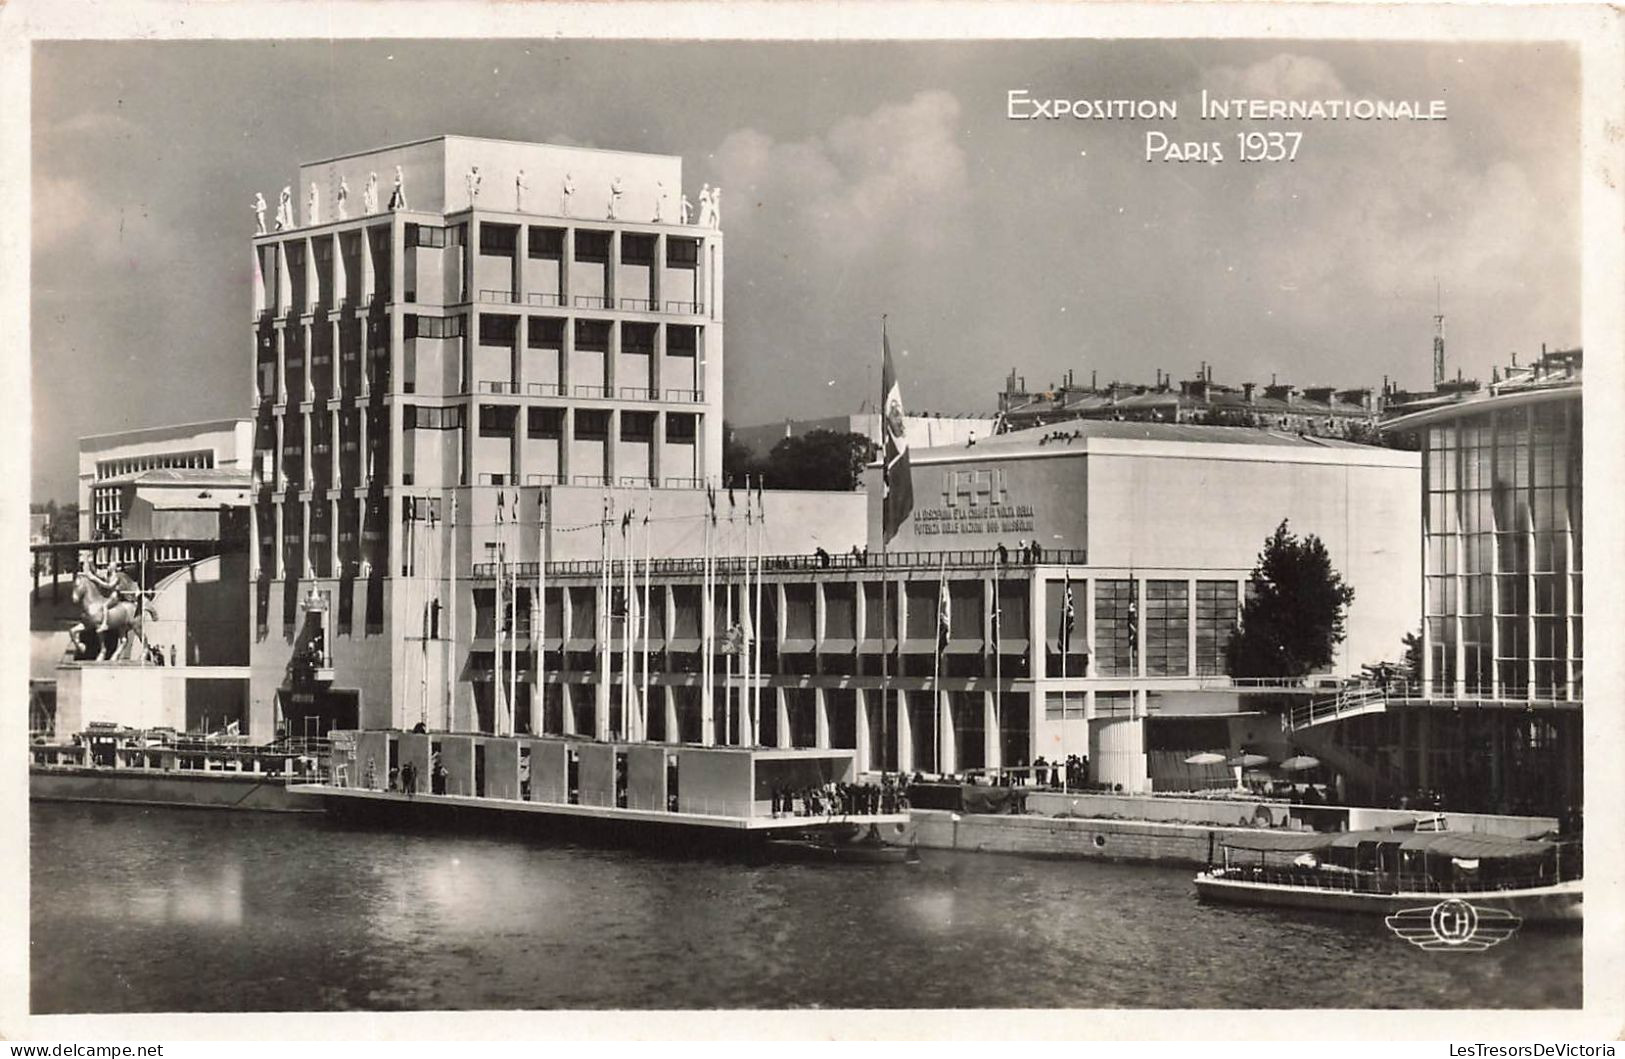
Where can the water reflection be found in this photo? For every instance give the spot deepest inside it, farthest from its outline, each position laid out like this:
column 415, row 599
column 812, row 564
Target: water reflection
column 141, row 910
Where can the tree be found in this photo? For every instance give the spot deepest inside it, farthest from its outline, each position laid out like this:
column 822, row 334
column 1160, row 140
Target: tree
column 1294, row 616
column 819, row 459
column 738, row 459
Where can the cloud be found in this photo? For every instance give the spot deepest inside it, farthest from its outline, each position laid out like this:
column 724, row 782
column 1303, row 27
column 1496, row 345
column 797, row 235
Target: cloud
column 896, row 176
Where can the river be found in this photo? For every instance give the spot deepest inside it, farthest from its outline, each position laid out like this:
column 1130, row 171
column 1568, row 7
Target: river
column 149, row 909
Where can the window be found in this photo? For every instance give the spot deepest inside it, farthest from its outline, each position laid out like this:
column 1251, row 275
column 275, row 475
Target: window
column 1114, row 628
column 592, row 425
column 1215, row 624
column 546, row 242
column 637, row 249
column 681, row 428
column 498, row 239
column 544, row 422
column 498, row 329
column 433, row 326
column 682, row 253
column 497, row 421
column 1167, row 628
column 638, row 338
column 637, row 426
column 592, row 335
column 682, row 340
column 592, row 246
column 427, row 418
column 425, row 235
column 545, row 333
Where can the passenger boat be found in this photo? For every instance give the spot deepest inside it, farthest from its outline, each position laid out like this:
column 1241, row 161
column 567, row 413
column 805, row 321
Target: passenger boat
column 1384, row 872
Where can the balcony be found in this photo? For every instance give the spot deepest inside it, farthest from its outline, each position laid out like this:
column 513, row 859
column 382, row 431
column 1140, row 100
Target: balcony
column 636, row 482
column 685, row 483
column 498, row 386
column 493, row 478
column 546, row 389
column 689, row 396
column 591, row 301
column 590, row 479
column 686, row 308
column 543, row 298
column 645, row 305
column 499, row 297
column 593, row 391
column 545, row 479
column 639, row 393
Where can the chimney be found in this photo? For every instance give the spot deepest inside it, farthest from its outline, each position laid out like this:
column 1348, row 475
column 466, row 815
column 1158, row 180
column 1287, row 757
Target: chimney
column 1247, row 392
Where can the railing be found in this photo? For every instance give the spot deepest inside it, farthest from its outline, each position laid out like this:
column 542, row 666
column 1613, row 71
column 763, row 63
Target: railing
column 592, row 391
column 893, row 561
column 1345, row 701
column 1367, row 693
column 640, row 393
column 542, row 298
column 685, row 483
column 501, row 297
column 591, row 301
column 498, row 386
column 1371, row 882
column 641, row 304
column 546, row 389
column 636, row 482
column 590, row 479
column 544, row 479
column 691, row 396
column 492, row 478
column 686, row 308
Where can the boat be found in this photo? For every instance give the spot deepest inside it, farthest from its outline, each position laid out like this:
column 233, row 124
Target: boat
column 855, row 845
column 1391, row 871
column 159, row 766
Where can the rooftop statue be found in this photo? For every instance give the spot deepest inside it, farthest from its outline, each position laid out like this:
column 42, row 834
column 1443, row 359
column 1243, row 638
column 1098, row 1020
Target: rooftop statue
column 313, row 206
column 369, row 195
column 704, row 220
column 473, row 185
column 343, row 199
column 685, row 209
column 259, row 214
column 716, row 207
column 615, row 193
column 660, row 200
column 568, row 189
column 397, row 198
column 519, row 189
column 284, row 210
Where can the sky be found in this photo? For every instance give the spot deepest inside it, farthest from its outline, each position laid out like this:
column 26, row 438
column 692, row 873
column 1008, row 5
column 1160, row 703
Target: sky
column 860, row 179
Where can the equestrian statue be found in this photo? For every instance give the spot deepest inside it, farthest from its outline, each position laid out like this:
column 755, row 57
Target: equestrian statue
column 107, row 600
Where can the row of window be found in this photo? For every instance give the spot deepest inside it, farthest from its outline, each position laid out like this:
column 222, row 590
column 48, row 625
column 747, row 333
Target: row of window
column 200, row 458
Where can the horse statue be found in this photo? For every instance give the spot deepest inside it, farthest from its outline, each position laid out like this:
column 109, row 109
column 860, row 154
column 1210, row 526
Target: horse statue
column 108, row 604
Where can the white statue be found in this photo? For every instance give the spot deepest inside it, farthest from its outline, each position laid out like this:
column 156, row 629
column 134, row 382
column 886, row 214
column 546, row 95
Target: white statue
column 284, row 210
column 519, row 188
column 473, row 185
column 660, row 199
column 313, row 206
column 397, row 198
column 369, row 195
column 569, row 189
column 615, row 193
column 705, row 206
column 716, row 207
column 685, row 209
column 259, row 214
column 343, row 199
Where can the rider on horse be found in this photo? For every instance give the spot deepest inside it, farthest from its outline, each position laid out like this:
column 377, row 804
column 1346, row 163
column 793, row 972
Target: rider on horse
column 118, row 586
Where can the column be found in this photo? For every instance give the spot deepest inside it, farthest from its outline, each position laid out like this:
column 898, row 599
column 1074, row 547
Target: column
column 304, row 540
column 279, row 468
column 281, row 548
column 335, row 454
column 312, row 277
column 281, row 340
column 254, row 529
column 309, row 332
column 308, row 480
column 905, row 733
column 947, row 758
column 860, row 719
column 992, row 738
column 707, row 688
column 284, row 281
column 369, row 278
column 668, row 695
column 781, row 712
column 820, row 719
column 333, row 567
column 1190, row 627
column 612, row 275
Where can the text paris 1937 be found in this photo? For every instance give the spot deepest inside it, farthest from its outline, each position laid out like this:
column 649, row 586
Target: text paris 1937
column 1244, row 147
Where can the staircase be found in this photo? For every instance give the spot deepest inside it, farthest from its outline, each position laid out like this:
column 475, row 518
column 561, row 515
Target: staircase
column 1372, row 783
column 1349, row 702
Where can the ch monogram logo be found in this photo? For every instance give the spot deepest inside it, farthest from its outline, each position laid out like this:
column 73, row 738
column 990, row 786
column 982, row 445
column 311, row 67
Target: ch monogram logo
column 1454, row 925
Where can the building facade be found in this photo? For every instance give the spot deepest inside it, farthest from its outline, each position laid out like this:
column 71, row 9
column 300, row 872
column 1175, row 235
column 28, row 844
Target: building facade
column 442, row 331
column 108, row 463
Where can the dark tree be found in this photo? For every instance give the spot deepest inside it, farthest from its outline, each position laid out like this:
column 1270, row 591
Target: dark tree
column 820, row 459
column 1294, row 616
column 64, row 524
column 738, row 459
column 1413, row 656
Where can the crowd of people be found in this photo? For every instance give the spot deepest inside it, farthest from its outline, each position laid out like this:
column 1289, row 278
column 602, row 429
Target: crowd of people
column 842, row 799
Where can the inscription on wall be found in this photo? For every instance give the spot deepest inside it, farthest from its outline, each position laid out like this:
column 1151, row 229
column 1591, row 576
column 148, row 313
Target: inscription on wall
column 974, row 502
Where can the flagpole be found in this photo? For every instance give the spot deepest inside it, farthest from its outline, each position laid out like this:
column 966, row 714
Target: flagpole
column 540, row 682
column 513, row 619
column 1066, row 647
column 998, row 649
column 708, row 723
column 451, row 648
column 648, row 605
column 936, row 670
column 497, row 705
column 756, row 643
column 885, row 572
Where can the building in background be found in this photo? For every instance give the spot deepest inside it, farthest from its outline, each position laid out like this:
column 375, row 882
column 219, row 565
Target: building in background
column 924, row 431
column 108, row 463
column 1323, row 411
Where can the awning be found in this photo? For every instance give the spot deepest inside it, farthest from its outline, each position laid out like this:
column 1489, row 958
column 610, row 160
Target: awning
column 839, row 645
column 580, row 643
column 1012, row 645
column 795, row 645
column 963, row 647
column 1278, row 841
column 1469, row 844
column 683, row 644
column 922, row 645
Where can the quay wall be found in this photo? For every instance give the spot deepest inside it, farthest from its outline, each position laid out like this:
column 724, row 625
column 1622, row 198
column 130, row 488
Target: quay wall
column 1092, row 839
column 199, row 790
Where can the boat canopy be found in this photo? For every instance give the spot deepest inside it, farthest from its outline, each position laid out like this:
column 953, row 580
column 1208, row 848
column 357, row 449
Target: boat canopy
column 1468, row 844
column 1277, row 841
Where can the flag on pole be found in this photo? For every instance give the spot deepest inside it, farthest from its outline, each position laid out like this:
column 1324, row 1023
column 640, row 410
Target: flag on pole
column 711, row 500
column 1069, row 616
column 942, row 609
column 761, row 504
column 1133, row 625
column 500, row 496
column 897, row 482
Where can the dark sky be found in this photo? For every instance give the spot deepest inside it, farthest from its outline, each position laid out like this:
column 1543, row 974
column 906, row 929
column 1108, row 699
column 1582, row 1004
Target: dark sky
column 860, row 178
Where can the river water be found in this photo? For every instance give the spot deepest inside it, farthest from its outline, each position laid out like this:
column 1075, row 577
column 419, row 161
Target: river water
column 149, row 909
